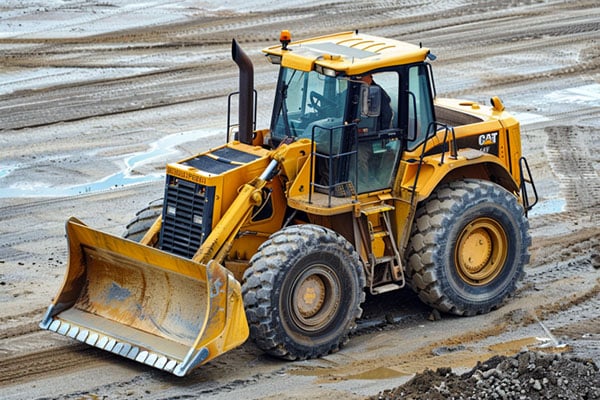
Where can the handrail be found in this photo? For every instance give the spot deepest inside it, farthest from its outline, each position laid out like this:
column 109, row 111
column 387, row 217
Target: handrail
column 340, row 155
column 431, row 132
column 524, row 181
column 229, row 124
column 454, row 150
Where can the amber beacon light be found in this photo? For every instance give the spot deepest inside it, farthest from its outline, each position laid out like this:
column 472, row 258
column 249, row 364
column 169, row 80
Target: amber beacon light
column 285, row 37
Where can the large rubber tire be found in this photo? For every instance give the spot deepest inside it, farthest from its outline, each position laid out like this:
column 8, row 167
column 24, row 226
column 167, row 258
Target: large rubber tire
column 303, row 292
column 469, row 245
column 138, row 226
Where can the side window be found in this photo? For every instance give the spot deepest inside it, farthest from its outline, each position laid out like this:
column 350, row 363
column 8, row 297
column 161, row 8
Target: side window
column 420, row 113
column 389, row 82
column 378, row 154
column 297, row 105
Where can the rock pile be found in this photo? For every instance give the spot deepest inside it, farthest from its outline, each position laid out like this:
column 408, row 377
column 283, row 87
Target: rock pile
column 528, row 375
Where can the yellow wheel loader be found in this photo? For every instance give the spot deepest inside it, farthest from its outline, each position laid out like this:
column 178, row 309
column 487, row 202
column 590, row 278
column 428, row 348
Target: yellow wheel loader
column 365, row 181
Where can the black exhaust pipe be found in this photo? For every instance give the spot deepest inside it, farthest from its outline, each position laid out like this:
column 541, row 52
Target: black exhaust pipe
column 246, row 106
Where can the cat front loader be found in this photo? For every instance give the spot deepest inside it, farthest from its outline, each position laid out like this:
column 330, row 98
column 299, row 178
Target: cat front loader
column 365, row 181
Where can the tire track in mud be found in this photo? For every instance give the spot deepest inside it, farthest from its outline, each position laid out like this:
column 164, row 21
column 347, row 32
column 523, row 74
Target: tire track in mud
column 21, row 355
column 26, row 351
column 21, row 324
column 572, row 148
column 87, row 100
column 554, row 249
column 508, row 48
column 155, row 89
column 49, row 362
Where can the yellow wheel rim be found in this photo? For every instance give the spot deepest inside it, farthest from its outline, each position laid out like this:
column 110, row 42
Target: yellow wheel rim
column 311, row 296
column 481, row 251
column 315, row 298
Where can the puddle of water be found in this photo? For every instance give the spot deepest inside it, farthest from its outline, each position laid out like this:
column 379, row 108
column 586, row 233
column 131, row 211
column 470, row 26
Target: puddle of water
column 165, row 146
column 581, row 94
column 526, row 118
column 514, row 346
column 40, row 189
column 378, row 373
column 586, row 94
column 532, row 343
column 162, row 148
column 550, row 206
column 5, row 170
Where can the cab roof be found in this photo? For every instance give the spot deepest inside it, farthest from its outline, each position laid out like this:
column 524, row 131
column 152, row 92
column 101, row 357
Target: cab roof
column 347, row 53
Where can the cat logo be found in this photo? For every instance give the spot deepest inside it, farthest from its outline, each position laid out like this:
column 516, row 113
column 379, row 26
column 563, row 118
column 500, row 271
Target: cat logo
column 488, row 139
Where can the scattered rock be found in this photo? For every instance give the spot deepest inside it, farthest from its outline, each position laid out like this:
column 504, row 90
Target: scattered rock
column 596, row 261
column 435, row 315
column 528, row 375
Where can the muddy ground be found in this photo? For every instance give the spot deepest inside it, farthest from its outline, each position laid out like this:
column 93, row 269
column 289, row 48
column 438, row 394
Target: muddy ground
column 96, row 96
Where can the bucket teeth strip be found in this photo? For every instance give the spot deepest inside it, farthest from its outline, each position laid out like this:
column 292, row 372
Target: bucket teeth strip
column 142, row 357
column 109, row 344
column 125, row 349
column 82, row 336
column 133, row 353
column 54, row 326
column 102, row 342
column 73, row 332
column 63, row 329
column 92, row 339
column 151, row 360
column 161, row 362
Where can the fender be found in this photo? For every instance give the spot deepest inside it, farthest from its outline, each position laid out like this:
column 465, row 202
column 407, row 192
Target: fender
column 423, row 178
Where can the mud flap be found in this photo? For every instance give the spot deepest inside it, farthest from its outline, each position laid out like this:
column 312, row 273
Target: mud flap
column 145, row 304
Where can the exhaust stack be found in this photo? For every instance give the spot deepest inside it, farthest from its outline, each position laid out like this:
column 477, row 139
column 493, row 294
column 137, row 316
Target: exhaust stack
column 246, row 88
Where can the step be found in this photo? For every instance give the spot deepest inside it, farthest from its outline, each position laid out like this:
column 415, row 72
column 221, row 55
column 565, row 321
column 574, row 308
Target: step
column 386, row 288
column 376, row 209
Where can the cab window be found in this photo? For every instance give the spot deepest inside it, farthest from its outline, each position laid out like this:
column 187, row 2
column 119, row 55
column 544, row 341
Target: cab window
column 420, row 112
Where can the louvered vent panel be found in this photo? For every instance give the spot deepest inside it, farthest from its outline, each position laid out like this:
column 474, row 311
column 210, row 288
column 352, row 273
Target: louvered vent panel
column 187, row 216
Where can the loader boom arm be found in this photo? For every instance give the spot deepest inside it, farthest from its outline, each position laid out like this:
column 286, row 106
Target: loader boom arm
column 218, row 243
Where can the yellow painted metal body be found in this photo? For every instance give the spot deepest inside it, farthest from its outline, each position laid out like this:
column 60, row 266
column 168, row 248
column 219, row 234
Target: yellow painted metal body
column 348, row 52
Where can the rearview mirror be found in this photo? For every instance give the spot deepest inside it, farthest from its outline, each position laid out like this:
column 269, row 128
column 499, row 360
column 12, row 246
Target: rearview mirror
column 370, row 97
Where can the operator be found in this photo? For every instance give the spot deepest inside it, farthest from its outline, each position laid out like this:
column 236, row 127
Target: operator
column 386, row 114
column 367, row 178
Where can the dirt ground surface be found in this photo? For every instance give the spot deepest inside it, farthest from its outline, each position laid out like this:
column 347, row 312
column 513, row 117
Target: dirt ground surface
column 96, row 96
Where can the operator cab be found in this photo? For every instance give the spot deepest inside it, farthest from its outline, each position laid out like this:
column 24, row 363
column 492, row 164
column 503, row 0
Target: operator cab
column 361, row 122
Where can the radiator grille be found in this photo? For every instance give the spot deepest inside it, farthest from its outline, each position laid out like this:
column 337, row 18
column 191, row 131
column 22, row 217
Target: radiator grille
column 187, row 216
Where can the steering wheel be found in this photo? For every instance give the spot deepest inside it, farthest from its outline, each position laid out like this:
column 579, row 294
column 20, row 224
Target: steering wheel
column 320, row 103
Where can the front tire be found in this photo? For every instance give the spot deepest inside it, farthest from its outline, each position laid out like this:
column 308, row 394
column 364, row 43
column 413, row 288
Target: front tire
column 303, row 292
column 143, row 220
column 468, row 247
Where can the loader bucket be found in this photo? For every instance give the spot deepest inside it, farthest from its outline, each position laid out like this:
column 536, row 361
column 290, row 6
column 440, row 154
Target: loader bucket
column 145, row 304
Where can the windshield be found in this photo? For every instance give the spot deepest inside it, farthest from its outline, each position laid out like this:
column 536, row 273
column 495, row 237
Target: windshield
column 305, row 100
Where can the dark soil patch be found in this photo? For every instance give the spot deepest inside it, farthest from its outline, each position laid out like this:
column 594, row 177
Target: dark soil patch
column 528, row 375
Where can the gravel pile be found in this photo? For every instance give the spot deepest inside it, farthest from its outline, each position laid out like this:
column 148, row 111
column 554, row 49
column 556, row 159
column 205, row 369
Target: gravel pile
column 528, row 375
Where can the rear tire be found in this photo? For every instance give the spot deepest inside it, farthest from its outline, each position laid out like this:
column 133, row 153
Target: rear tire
column 468, row 247
column 302, row 292
column 138, row 226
